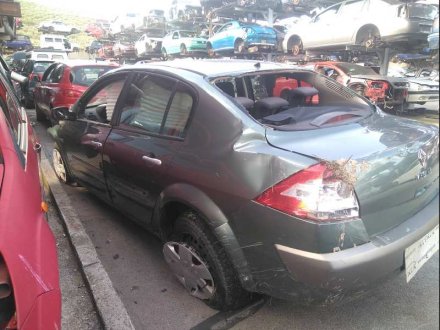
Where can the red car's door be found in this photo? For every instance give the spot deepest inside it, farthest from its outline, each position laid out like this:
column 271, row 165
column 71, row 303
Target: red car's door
column 52, row 87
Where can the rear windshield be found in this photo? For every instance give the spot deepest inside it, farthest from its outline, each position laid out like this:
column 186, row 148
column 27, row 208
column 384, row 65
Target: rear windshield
column 301, row 100
column 188, row 34
column 86, row 75
column 40, row 67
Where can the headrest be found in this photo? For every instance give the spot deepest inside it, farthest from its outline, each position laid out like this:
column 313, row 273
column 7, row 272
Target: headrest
column 304, row 91
column 245, row 102
column 272, row 103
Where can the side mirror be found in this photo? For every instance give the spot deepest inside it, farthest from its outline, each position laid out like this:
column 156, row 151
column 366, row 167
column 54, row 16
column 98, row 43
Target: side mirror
column 64, row 113
column 36, row 78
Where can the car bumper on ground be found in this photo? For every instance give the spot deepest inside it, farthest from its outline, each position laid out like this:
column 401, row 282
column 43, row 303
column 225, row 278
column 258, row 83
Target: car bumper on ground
column 360, row 266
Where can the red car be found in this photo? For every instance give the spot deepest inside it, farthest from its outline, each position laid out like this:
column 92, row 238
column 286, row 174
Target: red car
column 63, row 83
column 30, row 296
column 124, row 48
column 106, row 51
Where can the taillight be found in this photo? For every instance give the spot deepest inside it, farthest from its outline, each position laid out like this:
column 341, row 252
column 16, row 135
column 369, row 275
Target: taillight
column 71, row 93
column 313, row 194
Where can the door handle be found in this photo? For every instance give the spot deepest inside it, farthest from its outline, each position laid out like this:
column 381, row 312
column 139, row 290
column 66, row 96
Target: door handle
column 96, row 144
column 152, row 160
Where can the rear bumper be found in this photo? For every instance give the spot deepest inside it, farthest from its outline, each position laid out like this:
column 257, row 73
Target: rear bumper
column 361, row 266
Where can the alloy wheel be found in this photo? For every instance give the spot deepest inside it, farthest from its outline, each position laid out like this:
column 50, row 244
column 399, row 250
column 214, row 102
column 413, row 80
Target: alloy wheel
column 59, row 166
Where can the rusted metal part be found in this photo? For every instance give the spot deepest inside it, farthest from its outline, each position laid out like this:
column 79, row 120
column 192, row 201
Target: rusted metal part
column 5, row 284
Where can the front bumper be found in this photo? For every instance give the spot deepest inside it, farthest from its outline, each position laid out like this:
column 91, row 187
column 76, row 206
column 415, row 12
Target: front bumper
column 361, row 266
column 422, row 96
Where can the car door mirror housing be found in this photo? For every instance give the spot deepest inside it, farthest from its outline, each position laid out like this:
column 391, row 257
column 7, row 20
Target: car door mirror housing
column 64, row 113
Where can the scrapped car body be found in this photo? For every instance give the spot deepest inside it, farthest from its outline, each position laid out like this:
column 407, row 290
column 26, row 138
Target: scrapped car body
column 30, row 296
column 183, row 42
column 57, row 26
column 251, row 192
column 124, row 48
column 366, row 23
column 33, row 70
column 387, row 92
column 20, row 42
column 148, row 45
column 63, row 83
column 241, row 37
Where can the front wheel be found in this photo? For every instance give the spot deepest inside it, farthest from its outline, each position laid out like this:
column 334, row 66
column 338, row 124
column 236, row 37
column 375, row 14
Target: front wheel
column 296, row 47
column 201, row 264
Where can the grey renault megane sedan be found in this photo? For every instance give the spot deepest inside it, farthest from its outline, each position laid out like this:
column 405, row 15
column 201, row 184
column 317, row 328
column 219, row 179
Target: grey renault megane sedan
column 316, row 194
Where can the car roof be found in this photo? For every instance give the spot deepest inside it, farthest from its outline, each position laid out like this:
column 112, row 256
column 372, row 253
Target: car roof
column 217, row 67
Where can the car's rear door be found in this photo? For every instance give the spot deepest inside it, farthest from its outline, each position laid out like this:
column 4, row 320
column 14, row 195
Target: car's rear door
column 151, row 126
column 320, row 31
column 349, row 16
column 51, row 87
column 41, row 88
column 84, row 138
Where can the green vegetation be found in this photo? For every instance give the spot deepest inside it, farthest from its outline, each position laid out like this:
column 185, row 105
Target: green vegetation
column 33, row 14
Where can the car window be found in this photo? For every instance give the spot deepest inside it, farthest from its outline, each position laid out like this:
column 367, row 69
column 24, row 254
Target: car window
column 176, row 119
column 42, row 56
column 329, row 14
column 146, row 103
column 56, row 74
column 86, row 75
column 352, row 8
column 99, row 105
column 48, row 72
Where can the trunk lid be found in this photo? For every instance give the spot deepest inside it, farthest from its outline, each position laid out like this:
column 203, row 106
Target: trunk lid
column 397, row 160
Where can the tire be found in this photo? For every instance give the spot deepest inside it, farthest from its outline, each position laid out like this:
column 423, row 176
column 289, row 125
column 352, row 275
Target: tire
column 165, row 54
column 191, row 237
column 369, row 38
column 41, row 117
column 60, row 167
column 295, row 47
column 183, row 50
column 209, row 50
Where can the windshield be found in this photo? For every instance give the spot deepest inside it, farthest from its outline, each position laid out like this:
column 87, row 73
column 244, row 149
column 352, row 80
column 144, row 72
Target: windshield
column 354, row 69
column 86, row 75
column 418, row 10
column 294, row 100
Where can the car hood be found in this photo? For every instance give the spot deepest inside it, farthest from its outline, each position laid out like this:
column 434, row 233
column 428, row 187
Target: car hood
column 396, row 163
column 393, row 80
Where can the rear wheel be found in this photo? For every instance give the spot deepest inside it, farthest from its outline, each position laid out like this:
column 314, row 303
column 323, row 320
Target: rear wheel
column 60, row 166
column 369, row 38
column 201, row 264
column 183, row 50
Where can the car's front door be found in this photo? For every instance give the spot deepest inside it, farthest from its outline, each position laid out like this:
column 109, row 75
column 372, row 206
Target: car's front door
column 41, row 88
column 223, row 38
column 84, row 137
column 153, row 116
column 52, row 87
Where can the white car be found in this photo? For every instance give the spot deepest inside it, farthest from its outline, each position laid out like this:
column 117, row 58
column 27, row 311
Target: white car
column 125, row 22
column 57, row 26
column 423, row 90
column 362, row 22
column 148, row 46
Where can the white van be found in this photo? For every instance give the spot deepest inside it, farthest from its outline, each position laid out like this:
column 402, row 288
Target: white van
column 54, row 41
column 47, row 54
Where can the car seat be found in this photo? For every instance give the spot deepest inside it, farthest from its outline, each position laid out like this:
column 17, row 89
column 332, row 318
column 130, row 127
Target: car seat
column 227, row 87
column 269, row 106
column 301, row 96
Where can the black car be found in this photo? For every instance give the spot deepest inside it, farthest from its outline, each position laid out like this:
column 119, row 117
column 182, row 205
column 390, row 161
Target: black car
column 314, row 195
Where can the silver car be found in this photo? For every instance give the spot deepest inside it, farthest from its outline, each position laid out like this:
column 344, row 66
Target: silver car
column 362, row 22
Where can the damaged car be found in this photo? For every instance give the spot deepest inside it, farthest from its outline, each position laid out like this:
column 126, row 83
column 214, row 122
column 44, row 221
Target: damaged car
column 390, row 93
column 317, row 196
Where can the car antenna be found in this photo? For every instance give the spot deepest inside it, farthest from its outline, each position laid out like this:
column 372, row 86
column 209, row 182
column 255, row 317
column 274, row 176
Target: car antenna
column 257, row 65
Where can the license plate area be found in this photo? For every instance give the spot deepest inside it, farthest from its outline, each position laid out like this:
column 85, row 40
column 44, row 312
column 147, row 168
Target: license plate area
column 420, row 252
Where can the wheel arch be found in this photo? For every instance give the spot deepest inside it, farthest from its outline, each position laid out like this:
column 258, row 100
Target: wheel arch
column 362, row 30
column 174, row 200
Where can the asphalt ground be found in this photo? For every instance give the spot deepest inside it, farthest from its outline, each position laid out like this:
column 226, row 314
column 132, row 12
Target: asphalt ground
column 155, row 300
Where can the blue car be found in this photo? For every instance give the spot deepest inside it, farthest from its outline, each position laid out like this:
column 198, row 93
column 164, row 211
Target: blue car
column 19, row 43
column 239, row 37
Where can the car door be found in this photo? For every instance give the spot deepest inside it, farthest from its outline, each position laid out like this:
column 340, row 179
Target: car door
column 84, row 138
column 346, row 25
column 220, row 40
column 152, row 123
column 175, row 43
column 40, row 92
column 52, row 87
column 319, row 32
